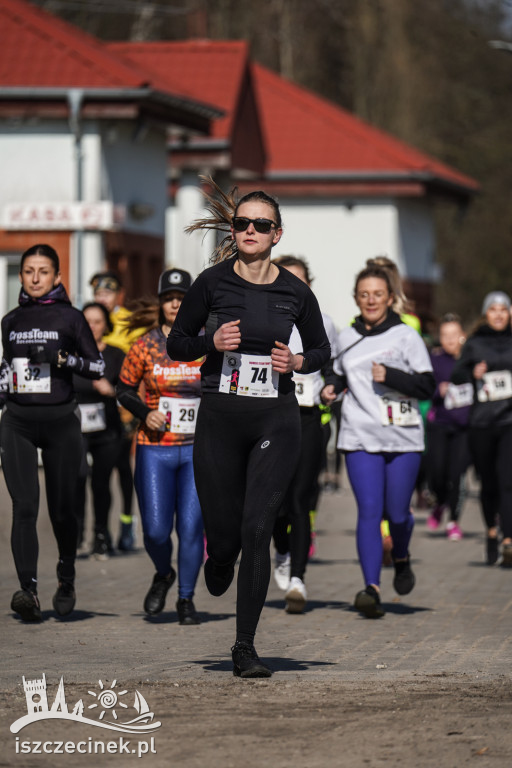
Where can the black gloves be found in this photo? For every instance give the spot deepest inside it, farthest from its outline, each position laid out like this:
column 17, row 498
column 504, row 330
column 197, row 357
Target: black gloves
column 40, row 354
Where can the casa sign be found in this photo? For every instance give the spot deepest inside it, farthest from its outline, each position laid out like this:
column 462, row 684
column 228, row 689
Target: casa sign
column 69, row 216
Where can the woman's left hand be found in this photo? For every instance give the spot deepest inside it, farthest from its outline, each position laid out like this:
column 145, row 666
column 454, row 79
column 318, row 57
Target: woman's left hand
column 104, row 387
column 379, row 373
column 283, row 360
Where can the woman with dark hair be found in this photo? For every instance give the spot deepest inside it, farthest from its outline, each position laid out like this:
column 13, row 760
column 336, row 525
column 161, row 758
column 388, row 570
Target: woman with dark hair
column 45, row 341
column 292, row 549
column 384, row 366
column 486, row 364
column 447, row 456
column 248, row 429
column 101, row 430
column 164, row 474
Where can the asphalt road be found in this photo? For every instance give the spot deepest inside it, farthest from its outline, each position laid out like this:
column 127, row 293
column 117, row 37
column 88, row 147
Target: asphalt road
column 452, row 636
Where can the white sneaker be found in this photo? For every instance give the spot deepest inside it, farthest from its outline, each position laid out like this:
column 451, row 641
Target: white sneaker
column 296, row 596
column 282, row 570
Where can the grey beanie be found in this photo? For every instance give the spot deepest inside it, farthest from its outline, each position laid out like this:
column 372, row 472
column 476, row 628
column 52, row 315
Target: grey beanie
column 495, row 297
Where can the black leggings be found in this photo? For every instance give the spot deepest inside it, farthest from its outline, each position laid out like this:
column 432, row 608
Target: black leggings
column 447, row 460
column 124, row 469
column 301, row 494
column 245, row 455
column 491, row 449
column 60, row 440
column 104, row 450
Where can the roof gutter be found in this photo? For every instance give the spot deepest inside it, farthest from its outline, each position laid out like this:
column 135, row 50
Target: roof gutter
column 143, row 93
column 425, row 177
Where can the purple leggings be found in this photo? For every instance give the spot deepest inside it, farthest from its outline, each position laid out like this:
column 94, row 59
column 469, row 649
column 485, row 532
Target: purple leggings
column 383, row 483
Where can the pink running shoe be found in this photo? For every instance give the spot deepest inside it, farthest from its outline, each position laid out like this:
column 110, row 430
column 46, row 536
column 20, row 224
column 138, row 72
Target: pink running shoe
column 312, row 546
column 434, row 521
column 453, row 532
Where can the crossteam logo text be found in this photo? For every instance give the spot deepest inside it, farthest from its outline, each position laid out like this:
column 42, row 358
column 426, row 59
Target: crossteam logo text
column 106, row 707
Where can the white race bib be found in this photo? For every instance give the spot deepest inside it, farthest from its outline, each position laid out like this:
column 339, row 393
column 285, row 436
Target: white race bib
column 180, row 414
column 304, row 389
column 92, row 417
column 399, row 410
column 248, row 375
column 497, row 385
column 29, row 378
column 458, row 396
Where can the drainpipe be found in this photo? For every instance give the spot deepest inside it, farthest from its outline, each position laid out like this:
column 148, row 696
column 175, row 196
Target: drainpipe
column 75, row 98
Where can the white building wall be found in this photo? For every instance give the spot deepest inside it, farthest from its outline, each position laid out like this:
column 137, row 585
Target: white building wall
column 39, row 163
column 336, row 240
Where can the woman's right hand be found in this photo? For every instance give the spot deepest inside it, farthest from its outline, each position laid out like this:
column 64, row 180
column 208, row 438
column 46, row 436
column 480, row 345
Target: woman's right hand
column 155, row 419
column 328, row 395
column 479, row 370
column 227, row 338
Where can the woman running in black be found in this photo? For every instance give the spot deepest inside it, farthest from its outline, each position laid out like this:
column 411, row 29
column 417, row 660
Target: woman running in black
column 101, row 430
column 45, row 340
column 295, row 510
column 447, row 455
column 486, row 362
column 248, row 430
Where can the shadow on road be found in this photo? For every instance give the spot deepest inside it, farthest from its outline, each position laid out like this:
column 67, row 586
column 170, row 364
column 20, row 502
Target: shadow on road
column 276, row 663
column 311, row 605
column 399, row 609
column 171, row 617
column 72, row 618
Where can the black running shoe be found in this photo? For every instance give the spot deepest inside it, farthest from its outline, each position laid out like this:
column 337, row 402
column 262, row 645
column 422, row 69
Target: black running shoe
column 246, row 662
column 218, row 577
column 187, row 613
column 492, row 550
column 100, row 548
column 154, row 601
column 64, row 599
column 404, row 580
column 26, row 604
column 368, row 603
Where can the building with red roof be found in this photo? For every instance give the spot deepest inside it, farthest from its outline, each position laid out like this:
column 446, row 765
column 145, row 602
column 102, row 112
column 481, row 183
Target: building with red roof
column 83, row 152
column 347, row 190
column 82, row 126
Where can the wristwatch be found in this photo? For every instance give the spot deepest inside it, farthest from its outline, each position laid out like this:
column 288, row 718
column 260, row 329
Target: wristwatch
column 304, row 366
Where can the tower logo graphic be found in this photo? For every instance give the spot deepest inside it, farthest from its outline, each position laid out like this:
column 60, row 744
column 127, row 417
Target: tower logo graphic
column 109, row 705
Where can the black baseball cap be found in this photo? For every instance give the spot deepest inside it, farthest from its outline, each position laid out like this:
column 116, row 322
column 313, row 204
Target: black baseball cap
column 108, row 281
column 174, row 280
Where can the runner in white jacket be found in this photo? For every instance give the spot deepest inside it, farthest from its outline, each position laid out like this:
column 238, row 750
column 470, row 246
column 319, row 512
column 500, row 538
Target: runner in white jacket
column 385, row 367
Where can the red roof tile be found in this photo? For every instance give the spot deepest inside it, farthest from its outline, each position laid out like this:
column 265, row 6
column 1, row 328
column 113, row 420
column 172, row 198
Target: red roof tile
column 305, row 133
column 39, row 50
column 200, row 69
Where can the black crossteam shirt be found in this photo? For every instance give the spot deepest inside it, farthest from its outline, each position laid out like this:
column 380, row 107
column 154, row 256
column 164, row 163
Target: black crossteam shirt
column 56, row 326
column 267, row 314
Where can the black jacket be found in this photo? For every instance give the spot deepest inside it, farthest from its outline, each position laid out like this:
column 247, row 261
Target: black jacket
column 495, row 348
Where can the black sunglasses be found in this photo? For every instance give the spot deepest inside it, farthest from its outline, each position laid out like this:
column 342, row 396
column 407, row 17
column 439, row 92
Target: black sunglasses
column 263, row 226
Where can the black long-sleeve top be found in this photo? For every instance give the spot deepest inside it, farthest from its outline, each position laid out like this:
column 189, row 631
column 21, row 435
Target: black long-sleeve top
column 495, row 348
column 266, row 312
column 53, row 326
column 86, row 393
